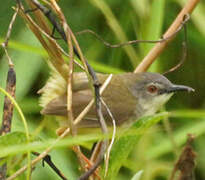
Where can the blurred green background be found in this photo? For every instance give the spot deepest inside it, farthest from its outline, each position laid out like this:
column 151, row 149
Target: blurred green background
column 116, row 21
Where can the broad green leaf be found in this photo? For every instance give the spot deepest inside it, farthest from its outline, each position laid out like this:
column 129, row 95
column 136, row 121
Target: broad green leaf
column 123, row 146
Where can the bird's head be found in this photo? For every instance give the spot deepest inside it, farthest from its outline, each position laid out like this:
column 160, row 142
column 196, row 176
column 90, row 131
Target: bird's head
column 154, row 90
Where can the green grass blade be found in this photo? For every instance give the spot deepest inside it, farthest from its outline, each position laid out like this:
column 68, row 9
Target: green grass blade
column 188, row 113
column 115, row 26
column 154, row 29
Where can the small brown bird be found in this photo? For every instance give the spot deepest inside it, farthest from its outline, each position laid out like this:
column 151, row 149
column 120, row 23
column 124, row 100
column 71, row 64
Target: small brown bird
column 128, row 96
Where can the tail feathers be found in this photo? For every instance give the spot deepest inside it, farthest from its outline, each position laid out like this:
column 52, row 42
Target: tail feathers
column 55, row 87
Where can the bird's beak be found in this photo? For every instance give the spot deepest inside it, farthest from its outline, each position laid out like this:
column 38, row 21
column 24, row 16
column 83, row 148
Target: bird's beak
column 176, row 88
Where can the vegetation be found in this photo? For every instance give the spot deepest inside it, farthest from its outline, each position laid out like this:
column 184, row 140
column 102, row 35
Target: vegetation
column 151, row 147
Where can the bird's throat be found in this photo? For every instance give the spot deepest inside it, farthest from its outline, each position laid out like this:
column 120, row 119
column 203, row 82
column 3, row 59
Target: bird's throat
column 148, row 108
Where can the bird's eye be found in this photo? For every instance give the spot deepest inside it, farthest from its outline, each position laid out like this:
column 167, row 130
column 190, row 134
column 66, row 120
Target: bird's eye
column 152, row 89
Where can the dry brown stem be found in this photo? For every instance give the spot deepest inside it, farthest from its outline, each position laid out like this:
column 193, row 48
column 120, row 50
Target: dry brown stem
column 70, row 79
column 186, row 162
column 11, row 89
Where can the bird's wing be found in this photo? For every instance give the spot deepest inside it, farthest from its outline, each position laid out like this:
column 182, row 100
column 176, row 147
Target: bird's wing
column 82, row 95
column 58, row 107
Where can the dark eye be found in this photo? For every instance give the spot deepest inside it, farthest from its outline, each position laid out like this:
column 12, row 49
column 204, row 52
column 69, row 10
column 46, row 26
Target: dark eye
column 152, row 89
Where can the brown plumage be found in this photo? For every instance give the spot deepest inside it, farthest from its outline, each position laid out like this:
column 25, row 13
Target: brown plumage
column 115, row 97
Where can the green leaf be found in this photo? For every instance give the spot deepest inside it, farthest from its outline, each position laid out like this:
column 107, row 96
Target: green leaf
column 22, row 147
column 13, row 138
column 155, row 24
column 154, row 29
column 122, row 147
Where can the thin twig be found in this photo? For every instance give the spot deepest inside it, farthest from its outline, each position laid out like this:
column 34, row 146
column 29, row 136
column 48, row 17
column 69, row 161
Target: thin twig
column 96, row 85
column 107, row 155
column 51, row 17
column 159, row 47
column 5, row 43
column 48, row 160
column 70, row 94
column 184, row 49
column 69, row 87
column 104, row 128
column 103, row 145
column 124, row 43
column 70, row 76
column 98, row 146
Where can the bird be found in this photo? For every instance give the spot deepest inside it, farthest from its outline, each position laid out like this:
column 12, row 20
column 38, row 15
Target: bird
column 129, row 96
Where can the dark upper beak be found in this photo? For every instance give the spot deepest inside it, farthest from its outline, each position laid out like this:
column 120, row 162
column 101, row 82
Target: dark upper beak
column 175, row 88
